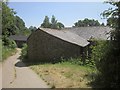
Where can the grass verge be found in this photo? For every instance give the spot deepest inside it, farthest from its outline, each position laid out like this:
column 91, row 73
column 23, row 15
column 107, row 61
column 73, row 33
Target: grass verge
column 65, row 75
column 6, row 52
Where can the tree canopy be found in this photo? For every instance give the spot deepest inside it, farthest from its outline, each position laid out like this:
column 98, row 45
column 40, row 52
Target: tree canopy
column 53, row 24
column 109, row 63
column 11, row 23
column 60, row 25
column 8, row 19
column 32, row 28
column 86, row 22
column 46, row 23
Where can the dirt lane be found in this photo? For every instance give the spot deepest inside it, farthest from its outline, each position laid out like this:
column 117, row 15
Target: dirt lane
column 8, row 71
column 17, row 75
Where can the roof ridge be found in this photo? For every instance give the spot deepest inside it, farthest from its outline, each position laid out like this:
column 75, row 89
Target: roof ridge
column 66, row 36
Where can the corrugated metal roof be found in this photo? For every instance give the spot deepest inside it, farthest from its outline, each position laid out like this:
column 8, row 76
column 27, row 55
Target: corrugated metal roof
column 67, row 36
column 99, row 32
column 18, row 37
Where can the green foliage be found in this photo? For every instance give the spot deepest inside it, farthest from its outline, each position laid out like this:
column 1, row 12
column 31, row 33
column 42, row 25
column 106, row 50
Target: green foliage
column 32, row 28
column 19, row 23
column 60, row 25
column 98, row 51
column 7, row 20
column 76, row 76
column 8, row 42
column 7, row 47
column 7, row 51
column 46, row 23
column 102, row 24
column 20, row 27
column 79, row 61
column 87, row 22
column 24, row 52
column 53, row 24
column 108, row 60
column 26, row 32
column 110, row 22
column 12, row 44
column 11, row 24
column 105, row 61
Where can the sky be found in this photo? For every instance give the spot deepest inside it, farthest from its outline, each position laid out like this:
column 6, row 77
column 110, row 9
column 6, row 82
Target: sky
column 68, row 13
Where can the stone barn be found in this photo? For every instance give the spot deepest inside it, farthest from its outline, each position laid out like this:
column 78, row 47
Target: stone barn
column 52, row 45
column 94, row 32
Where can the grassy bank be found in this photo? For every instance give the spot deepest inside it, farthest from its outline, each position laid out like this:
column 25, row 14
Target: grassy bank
column 6, row 52
column 65, row 75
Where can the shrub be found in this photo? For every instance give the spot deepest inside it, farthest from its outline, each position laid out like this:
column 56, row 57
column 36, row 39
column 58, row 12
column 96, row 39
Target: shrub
column 8, row 42
column 12, row 44
column 8, row 47
column 98, row 52
column 24, row 52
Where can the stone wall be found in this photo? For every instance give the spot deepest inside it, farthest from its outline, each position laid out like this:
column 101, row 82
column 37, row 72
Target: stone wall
column 45, row 47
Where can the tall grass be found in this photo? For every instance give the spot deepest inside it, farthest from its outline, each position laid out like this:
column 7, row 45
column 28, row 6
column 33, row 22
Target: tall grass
column 8, row 48
column 65, row 74
column 6, row 52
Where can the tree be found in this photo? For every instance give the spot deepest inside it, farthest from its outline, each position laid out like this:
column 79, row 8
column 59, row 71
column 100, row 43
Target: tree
column 60, row 25
column 46, row 23
column 102, row 24
column 110, row 22
column 20, row 24
column 26, row 32
column 32, row 28
column 8, row 26
column 11, row 24
column 7, row 20
column 109, row 63
column 87, row 22
column 53, row 22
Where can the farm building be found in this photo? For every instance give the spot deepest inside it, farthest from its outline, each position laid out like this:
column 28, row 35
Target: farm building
column 98, row 32
column 50, row 44
column 19, row 39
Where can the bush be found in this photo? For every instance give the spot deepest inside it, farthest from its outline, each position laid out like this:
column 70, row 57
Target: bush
column 12, row 44
column 24, row 52
column 8, row 47
column 8, row 42
column 98, row 52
